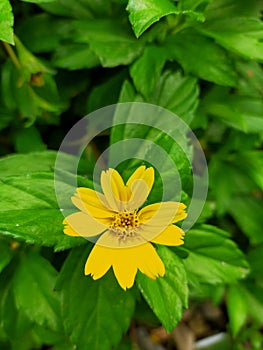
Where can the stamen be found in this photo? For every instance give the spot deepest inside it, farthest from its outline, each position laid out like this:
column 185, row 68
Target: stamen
column 125, row 225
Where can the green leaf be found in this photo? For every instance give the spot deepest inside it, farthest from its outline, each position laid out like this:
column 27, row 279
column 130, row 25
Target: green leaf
column 29, row 210
column 40, row 302
column 185, row 48
column 146, row 70
column 110, row 40
column 213, row 257
column 143, row 13
column 102, row 308
column 75, row 56
column 252, row 221
column 242, row 35
column 236, row 307
column 178, row 93
column 38, row 1
column 28, row 140
column 6, row 22
column 6, row 254
column 168, row 295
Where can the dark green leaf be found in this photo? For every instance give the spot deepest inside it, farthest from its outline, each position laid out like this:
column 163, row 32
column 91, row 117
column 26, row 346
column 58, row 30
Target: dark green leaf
column 168, row 295
column 213, row 257
column 110, row 40
column 236, row 307
column 6, row 253
column 28, row 140
column 34, row 283
column 6, row 22
column 185, row 48
column 95, row 313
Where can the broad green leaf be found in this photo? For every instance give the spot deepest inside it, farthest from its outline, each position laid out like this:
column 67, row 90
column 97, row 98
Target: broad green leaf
column 168, row 295
column 242, row 35
column 40, row 302
column 6, row 22
column 110, row 40
column 250, row 78
column 247, row 212
column 75, row 56
column 147, row 69
column 255, row 259
column 213, row 257
column 29, row 140
column 236, row 308
column 39, row 1
column 29, row 210
column 102, row 309
column 185, row 48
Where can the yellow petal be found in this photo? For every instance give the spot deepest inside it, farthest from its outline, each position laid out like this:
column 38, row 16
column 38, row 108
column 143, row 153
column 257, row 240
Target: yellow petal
column 98, row 262
column 93, row 203
column 161, row 214
column 125, row 266
column 172, row 235
column 139, row 186
column 149, row 261
column 114, row 189
column 80, row 224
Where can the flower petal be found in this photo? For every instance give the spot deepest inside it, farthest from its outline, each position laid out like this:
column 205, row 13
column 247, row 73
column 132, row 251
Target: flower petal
column 125, row 266
column 172, row 236
column 98, row 262
column 80, row 224
column 93, row 203
column 139, row 186
column 149, row 261
column 162, row 214
column 114, row 189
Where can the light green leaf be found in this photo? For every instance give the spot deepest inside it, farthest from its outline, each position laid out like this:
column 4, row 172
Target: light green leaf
column 146, row 12
column 39, row 301
column 146, row 70
column 6, row 22
column 110, row 40
column 39, row 1
column 242, row 35
column 168, row 295
column 186, row 46
column 213, row 257
column 102, row 309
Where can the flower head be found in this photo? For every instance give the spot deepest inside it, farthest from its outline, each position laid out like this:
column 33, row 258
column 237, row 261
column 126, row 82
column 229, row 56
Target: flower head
column 125, row 230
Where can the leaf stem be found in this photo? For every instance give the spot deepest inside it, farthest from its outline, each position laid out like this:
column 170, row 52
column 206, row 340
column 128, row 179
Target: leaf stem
column 12, row 55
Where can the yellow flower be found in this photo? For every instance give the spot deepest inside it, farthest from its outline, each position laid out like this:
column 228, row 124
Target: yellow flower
column 125, row 229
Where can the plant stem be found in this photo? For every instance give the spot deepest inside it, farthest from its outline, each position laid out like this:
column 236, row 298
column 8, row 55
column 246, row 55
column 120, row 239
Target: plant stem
column 12, row 55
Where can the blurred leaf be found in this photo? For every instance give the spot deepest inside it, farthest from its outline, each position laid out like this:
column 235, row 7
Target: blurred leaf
column 146, row 70
column 250, row 78
column 242, row 35
column 6, row 22
column 255, row 259
column 110, row 40
column 75, row 56
column 213, row 257
column 102, row 308
column 6, row 253
column 168, row 295
column 38, row 1
column 247, row 212
column 28, row 140
column 185, row 48
column 236, row 308
column 40, row 302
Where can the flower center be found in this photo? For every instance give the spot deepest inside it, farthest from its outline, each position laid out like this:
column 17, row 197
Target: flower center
column 125, row 224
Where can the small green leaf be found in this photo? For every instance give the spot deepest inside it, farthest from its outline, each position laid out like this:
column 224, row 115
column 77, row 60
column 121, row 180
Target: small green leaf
column 110, row 40
column 168, row 295
column 146, row 70
column 213, row 257
column 6, row 22
column 102, row 309
column 198, row 54
column 34, row 283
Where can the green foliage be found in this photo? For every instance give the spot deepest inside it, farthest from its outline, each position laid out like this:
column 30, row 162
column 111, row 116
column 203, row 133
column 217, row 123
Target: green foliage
column 201, row 60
